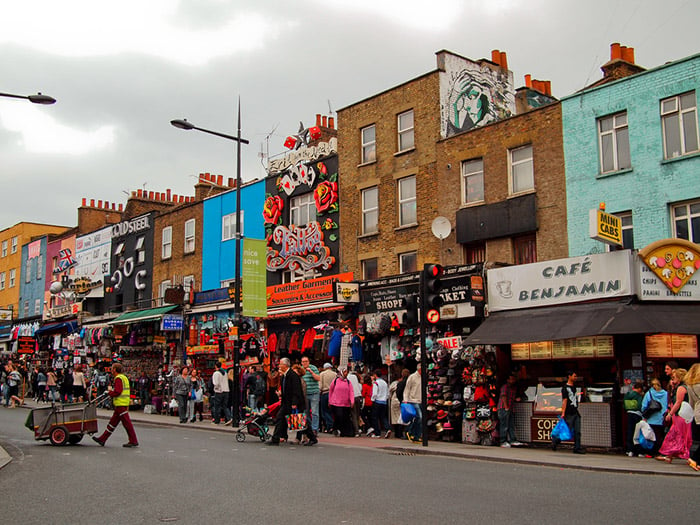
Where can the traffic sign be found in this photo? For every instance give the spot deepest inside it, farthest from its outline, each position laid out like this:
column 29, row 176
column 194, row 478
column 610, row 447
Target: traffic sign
column 432, row 316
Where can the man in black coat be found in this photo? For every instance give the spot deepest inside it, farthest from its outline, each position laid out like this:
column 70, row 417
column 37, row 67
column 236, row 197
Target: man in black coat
column 292, row 397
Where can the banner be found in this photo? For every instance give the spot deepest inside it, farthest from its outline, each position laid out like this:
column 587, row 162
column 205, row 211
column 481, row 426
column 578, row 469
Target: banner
column 254, row 278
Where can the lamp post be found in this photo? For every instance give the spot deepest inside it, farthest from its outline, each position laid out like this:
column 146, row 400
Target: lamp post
column 35, row 99
column 186, row 125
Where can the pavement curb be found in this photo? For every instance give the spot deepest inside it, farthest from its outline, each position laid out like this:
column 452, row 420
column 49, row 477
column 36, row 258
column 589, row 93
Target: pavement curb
column 5, row 458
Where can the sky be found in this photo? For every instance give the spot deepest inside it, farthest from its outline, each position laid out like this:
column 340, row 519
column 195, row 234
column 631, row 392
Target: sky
column 122, row 70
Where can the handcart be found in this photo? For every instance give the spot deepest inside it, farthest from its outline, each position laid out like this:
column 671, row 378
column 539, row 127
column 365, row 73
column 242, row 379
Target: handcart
column 256, row 423
column 62, row 424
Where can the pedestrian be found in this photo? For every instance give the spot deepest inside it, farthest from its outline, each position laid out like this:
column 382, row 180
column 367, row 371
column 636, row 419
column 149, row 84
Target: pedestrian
column 291, row 397
column 367, row 404
column 195, row 403
column 52, row 385
column 570, row 413
column 305, row 432
column 355, row 416
column 692, row 384
column 506, row 421
column 41, row 387
column 632, row 403
column 221, row 393
column 380, row 401
column 14, row 381
column 412, row 395
column 182, row 386
column 144, row 389
column 395, row 400
column 341, row 398
column 678, row 439
column 66, row 387
column 655, row 419
column 121, row 398
column 311, row 379
column 327, row 376
column 79, row 384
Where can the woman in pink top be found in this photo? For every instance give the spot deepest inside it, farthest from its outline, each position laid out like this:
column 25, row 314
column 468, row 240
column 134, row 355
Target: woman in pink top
column 341, row 398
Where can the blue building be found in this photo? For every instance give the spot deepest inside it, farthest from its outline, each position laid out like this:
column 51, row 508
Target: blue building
column 219, row 226
column 631, row 141
column 32, row 283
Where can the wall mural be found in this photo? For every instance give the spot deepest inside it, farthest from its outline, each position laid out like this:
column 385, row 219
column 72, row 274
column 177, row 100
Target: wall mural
column 304, row 246
column 472, row 94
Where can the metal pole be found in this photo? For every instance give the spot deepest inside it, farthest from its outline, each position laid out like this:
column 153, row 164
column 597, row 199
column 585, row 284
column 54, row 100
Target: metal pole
column 237, row 302
column 423, row 361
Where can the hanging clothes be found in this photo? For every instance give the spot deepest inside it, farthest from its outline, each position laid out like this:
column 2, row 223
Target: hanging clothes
column 307, row 343
column 272, row 344
column 334, row 343
column 294, row 342
column 356, row 348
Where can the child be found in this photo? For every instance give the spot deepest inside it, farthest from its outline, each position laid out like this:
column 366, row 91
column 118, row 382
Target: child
column 633, row 406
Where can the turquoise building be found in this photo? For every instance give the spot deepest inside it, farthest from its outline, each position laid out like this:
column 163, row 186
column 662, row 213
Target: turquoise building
column 32, row 281
column 632, row 143
column 218, row 238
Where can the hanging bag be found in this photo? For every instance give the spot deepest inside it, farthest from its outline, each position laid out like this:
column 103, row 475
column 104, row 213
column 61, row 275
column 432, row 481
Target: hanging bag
column 561, row 431
column 296, row 421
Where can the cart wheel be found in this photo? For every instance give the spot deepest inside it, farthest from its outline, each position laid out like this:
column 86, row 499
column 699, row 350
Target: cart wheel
column 263, row 436
column 240, row 437
column 74, row 439
column 59, row 436
column 268, row 436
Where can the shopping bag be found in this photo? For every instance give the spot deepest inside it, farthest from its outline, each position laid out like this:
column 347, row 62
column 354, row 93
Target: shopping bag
column 646, row 431
column 686, row 411
column 561, row 431
column 408, row 412
column 645, row 443
column 296, row 421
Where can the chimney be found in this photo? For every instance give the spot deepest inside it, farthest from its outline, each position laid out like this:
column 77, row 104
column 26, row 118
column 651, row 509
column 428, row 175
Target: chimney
column 168, row 195
column 92, row 203
column 318, row 119
column 230, row 182
column 496, row 57
column 331, row 122
column 151, row 195
column 627, row 54
column 114, row 206
column 219, row 180
column 615, row 51
column 504, row 60
column 620, row 65
column 99, row 203
column 84, row 202
column 324, row 121
column 140, row 193
column 528, row 81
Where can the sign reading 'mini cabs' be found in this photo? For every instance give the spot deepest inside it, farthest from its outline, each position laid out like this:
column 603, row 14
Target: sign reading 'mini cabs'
column 605, row 227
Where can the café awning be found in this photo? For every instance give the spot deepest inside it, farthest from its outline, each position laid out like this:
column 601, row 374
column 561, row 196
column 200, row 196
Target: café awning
column 151, row 314
column 553, row 323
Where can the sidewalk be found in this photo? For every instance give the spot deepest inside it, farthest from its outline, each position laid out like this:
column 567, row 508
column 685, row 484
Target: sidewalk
column 526, row 455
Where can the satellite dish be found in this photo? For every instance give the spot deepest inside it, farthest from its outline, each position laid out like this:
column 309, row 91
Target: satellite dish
column 441, row 227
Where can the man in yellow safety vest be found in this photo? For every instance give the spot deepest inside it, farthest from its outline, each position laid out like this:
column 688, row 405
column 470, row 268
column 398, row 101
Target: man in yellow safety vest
column 121, row 397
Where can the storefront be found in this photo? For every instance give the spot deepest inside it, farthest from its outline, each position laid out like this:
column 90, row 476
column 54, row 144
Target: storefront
column 590, row 314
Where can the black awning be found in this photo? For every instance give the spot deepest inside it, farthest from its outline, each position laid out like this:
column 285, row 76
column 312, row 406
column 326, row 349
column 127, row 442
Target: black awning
column 553, row 323
column 68, row 326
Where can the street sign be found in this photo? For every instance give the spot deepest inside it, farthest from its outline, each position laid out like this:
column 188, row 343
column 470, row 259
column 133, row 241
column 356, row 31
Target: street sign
column 433, row 316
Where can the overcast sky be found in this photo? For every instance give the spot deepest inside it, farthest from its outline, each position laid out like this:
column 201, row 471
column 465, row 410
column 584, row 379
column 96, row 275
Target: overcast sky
column 121, row 70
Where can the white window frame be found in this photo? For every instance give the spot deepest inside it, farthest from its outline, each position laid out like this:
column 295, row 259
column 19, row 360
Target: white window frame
column 691, row 210
column 28, row 271
column 402, row 262
column 39, row 266
column 406, row 131
column 228, row 226
column 189, row 236
column 13, row 246
column 188, row 283
column 370, row 213
column 26, row 308
column 516, row 165
column 164, row 285
column 140, row 250
column 119, row 250
column 4, row 248
column 671, row 108
column 3, row 276
column 618, row 132
column 13, row 278
column 166, row 243
column 37, row 306
column 472, row 169
column 369, row 144
column 409, row 202
column 302, row 209
column 626, row 224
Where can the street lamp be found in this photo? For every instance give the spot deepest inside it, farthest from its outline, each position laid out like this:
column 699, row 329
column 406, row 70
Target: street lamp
column 35, row 99
column 186, row 125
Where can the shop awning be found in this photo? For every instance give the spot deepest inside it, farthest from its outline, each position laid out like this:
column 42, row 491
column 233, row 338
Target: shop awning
column 310, row 309
column 581, row 320
column 143, row 315
column 68, row 326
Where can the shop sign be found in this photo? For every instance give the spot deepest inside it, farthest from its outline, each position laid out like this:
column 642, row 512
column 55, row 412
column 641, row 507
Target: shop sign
column 304, row 292
column 346, row 292
column 668, row 272
column 605, row 227
column 65, row 310
column 671, row 346
column 600, row 346
column 254, row 278
column 299, row 247
column 203, row 350
column 561, row 281
column 5, row 323
column 133, row 226
column 26, row 344
column 541, row 428
column 211, row 296
column 159, row 339
column 171, row 322
column 306, row 154
column 451, row 343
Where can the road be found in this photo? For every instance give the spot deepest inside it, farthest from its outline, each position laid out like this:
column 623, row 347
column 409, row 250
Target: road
column 183, row 475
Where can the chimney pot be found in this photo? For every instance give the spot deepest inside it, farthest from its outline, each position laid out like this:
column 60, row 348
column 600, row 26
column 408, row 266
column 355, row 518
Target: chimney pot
column 324, row 121
column 615, row 52
column 504, row 60
column 106, row 205
column 628, row 54
column 528, row 80
column 182, row 199
column 548, row 85
column 114, row 205
column 331, row 122
column 219, row 180
column 207, row 176
column 168, row 194
column 496, row 56
column 230, row 182
column 92, row 203
column 121, row 207
column 151, row 195
column 99, row 203
column 139, row 193
column 84, row 201
column 318, row 119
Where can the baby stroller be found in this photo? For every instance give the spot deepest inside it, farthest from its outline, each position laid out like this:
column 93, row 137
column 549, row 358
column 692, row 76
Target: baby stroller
column 256, row 423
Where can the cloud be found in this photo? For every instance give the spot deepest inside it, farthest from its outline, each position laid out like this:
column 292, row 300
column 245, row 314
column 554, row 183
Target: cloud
column 84, row 28
column 41, row 133
column 415, row 14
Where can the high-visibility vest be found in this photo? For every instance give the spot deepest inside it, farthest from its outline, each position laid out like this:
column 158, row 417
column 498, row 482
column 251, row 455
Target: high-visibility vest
column 123, row 399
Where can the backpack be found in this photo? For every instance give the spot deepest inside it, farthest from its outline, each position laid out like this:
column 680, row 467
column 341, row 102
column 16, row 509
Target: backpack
column 260, row 385
column 103, row 380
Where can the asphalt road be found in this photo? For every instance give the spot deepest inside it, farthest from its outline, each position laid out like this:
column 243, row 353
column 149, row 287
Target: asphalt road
column 182, row 475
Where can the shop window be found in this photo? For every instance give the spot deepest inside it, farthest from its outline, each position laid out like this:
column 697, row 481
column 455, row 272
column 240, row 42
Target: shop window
column 370, row 269
column 525, row 249
column 369, row 144
column 686, row 221
column 407, row 201
column 408, row 262
column 520, row 165
column 614, row 143
column 405, row 130
column 472, row 181
column 475, row 253
column 189, row 236
column 679, row 119
column 166, row 245
column 370, row 210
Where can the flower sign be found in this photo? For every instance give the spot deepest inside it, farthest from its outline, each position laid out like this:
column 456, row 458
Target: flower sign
column 272, row 209
column 326, row 197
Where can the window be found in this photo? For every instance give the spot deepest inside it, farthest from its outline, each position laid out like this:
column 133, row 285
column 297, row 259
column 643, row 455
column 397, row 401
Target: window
column 407, row 201
column 408, row 262
column 475, row 253
column 472, row 181
column 164, row 285
column 405, row 126
column 228, row 226
column 39, row 267
column 13, row 274
column 188, row 283
column 166, row 244
column 140, row 251
column 4, row 248
column 525, row 249
column 686, row 221
column 26, row 308
column 614, row 143
column 679, row 119
column 369, row 144
column 118, row 251
column 2, row 280
column 37, row 307
column 627, row 233
column 189, row 236
column 299, row 275
column 54, row 266
column 28, row 271
column 302, row 209
column 370, row 210
column 521, row 169
column 13, row 249
column 370, row 269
